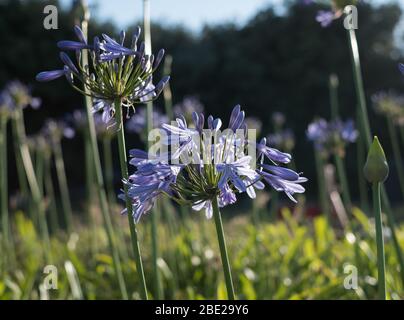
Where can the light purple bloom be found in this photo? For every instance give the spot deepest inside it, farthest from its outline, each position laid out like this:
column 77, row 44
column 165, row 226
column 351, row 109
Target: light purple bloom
column 225, row 172
column 17, row 95
column 271, row 153
column 331, row 136
column 325, row 17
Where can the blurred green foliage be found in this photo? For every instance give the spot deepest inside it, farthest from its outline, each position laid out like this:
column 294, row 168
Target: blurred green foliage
column 286, row 259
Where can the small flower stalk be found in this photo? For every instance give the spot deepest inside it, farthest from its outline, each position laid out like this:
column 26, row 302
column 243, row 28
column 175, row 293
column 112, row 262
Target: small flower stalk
column 376, row 171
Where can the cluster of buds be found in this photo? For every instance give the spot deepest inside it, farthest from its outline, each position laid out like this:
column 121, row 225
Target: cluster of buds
column 16, row 96
column 389, row 104
column 55, row 130
column 332, row 137
column 326, row 17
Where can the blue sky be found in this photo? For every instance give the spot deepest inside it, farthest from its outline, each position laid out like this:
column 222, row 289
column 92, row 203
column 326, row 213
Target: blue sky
column 191, row 13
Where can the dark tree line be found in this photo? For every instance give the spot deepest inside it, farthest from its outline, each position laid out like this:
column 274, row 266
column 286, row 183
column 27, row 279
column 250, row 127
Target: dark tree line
column 272, row 63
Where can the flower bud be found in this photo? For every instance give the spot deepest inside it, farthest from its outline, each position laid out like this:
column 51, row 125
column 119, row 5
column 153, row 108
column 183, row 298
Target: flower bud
column 376, row 168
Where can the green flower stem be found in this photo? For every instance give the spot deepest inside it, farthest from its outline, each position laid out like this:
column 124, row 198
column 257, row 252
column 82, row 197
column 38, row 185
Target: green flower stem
column 155, row 252
column 89, row 174
column 64, row 190
column 223, row 250
column 325, row 207
column 124, row 173
column 363, row 190
column 5, row 224
column 99, row 180
column 154, row 214
column 22, row 179
column 32, row 180
column 366, row 134
column 360, row 92
column 333, row 87
column 109, row 181
column 39, row 169
column 381, row 273
column 109, row 169
column 274, row 205
column 168, row 96
column 397, row 153
column 87, row 136
column 50, row 192
column 339, row 163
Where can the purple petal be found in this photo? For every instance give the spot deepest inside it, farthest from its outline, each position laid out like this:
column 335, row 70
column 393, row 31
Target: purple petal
column 49, row 75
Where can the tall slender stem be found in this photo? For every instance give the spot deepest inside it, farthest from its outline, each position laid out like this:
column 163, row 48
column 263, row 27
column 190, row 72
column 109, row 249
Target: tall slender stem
column 99, row 180
column 381, row 273
column 168, row 96
column 363, row 190
column 325, row 207
column 109, row 169
column 64, row 189
column 397, row 153
column 124, row 173
column 109, row 181
column 366, row 134
column 50, row 192
column 154, row 216
column 339, row 163
column 4, row 179
column 32, row 179
column 333, row 87
column 89, row 175
column 223, row 250
column 22, row 179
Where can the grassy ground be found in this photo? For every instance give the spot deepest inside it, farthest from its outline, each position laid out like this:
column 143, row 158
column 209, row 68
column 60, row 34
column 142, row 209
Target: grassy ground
column 285, row 259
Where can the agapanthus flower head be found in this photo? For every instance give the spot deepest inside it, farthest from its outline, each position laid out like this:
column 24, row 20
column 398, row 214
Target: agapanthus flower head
column 334, row 12
column 138, row 122
column 78, row 120
column 195, row 165
column 283, row 139
column 104, row 129
column 187, row 107
column 55, row 130
column 389, row 104
column 115, row 71
column 40, row 143
column 254, row 123
column 15, row 96
column 278, row 119
column 332, row 137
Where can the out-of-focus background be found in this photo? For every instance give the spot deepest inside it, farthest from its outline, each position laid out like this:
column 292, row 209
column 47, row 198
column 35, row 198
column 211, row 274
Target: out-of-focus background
column 270, row 56
column 265, row 55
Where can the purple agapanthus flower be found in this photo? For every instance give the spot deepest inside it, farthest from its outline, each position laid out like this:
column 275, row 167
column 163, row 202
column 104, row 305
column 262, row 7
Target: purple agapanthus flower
column 187, row 107
column 55, row 130
column 220, row 166
column 15, row 96
column 115, row 73
column 283, row 139
column 333, row 136
column 325, row 17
